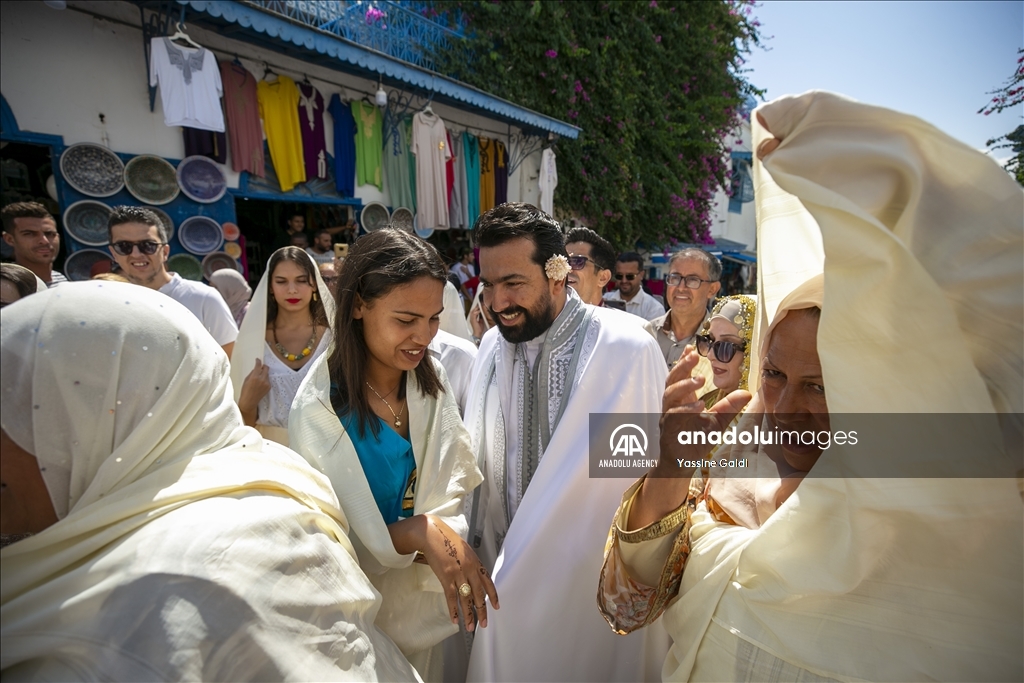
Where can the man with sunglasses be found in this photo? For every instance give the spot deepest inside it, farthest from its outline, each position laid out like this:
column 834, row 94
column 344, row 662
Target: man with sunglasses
column 591, row 258
column 690, row 286
column 139, row 244
column 629, row 274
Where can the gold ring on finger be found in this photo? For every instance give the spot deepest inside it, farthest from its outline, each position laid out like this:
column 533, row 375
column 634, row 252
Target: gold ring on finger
column 465, row 590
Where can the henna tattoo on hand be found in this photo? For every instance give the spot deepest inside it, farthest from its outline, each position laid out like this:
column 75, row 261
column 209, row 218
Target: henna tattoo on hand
column 449, row 547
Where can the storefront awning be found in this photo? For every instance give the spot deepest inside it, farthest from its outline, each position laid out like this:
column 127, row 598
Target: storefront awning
column 252, row 24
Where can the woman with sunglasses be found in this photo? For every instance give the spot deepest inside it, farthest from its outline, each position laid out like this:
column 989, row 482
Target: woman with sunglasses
column 724, row 340
column 378, row 416
column 284, row 331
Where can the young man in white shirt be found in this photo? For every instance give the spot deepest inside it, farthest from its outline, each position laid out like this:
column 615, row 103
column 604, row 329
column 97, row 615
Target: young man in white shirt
column 139, row 244
column 31, row 232
column 629, row 273
column 322, row 250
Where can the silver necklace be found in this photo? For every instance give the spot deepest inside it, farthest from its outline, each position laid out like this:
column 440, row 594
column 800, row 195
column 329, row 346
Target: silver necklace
column 398, row 422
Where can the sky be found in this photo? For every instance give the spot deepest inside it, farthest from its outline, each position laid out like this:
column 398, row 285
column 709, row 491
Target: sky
column 935, row 60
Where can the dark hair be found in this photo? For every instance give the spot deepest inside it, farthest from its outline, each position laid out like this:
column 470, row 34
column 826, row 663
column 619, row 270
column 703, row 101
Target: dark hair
column 601, row 251
column 711, row 262
column 376, row 264
column 631, row 257
column 515, row 220
column 306, row 263
column 321, row 231
column 23, row 210
column 136, row 214
column 23, row 279
column 464, row 252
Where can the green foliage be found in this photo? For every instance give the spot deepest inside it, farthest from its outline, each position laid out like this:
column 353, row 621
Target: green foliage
column 655, row 86
column 1007, row 97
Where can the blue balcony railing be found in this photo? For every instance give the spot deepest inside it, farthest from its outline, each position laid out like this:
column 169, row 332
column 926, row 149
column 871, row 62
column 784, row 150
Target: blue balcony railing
column 402, row 30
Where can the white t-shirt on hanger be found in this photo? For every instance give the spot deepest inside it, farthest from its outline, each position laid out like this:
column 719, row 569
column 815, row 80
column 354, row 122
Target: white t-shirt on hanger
column 190, row 86
column 548, row 181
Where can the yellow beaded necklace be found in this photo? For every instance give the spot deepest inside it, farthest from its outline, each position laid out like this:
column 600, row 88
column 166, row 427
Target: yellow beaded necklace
column 292, row 357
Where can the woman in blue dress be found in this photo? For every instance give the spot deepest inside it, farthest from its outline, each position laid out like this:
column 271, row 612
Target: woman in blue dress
column 378, row 416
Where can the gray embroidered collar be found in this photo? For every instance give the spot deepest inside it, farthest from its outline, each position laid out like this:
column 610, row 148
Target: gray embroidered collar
column 186, row 62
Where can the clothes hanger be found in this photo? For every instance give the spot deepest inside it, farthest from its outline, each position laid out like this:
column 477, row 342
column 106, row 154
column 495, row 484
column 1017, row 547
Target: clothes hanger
column 268, row 72
column 305, row 79
column 181, row 35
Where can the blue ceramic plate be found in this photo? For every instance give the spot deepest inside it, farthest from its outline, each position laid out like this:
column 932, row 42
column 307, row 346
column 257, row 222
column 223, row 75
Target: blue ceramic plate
column 216, row 261
column 151, row 179
column 201, row 179
column 86, row 222
column 186, row 265
column 78, row 265
column 92, row 169
column 200, row 235
column 422, row 232
column 165, row 219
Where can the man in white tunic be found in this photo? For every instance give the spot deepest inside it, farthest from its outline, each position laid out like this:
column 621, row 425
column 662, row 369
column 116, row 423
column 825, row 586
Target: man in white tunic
column 539, row 521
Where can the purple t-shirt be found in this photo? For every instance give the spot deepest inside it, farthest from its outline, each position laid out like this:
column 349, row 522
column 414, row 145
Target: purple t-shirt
column 311, row 123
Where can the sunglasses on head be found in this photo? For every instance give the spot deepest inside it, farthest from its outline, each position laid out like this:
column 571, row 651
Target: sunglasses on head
column 580, row 262
column 626, row 276
column 724, row 351
column 125, row 248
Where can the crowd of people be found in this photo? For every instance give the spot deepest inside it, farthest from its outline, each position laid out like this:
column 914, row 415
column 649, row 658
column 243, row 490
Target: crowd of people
column 343, row 476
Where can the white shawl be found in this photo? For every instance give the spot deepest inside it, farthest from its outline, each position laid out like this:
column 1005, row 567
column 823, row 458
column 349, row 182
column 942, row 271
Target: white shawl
column 414, row 613
column 252, row 339
column 548, row 627
column 857, row 577
column 188, row 547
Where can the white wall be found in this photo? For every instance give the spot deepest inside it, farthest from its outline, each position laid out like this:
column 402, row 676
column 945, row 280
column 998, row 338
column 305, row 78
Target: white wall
column 739, row 227
column 61, row 69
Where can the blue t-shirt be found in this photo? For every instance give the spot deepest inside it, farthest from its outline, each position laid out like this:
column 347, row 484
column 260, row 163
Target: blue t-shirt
column 389, row 466
column 344, row 147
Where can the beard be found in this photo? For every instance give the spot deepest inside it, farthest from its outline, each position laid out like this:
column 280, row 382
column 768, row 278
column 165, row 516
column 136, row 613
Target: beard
column 536, row 321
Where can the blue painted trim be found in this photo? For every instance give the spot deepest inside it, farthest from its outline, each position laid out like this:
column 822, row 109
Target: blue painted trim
column 8, row 124
column 289, row 34
column 749, row 156
column 295, row 198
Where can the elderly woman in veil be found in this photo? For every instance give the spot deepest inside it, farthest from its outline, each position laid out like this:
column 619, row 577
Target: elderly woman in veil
column 900, row 558
column 165, row 540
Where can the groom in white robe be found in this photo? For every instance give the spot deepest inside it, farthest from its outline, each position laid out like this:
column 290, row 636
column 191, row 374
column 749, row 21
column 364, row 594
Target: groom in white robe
column 539, row 521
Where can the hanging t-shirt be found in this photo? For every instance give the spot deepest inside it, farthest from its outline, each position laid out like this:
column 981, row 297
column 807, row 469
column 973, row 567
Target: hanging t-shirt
column 486, row 174
column 471, row 152
column 189, row 83
column 245, row 135
column 205, row 143
column 449, row 172
column 430, row 145
column 344, row 147
column 369, row 144
column 457, row 203
column 311, row 123
column 396, row 167
column 279, row 107
column 410, row 158
column 500, row 173
column 547, row 181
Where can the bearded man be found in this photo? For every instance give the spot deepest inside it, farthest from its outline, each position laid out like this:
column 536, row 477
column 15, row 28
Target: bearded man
column 540, row 521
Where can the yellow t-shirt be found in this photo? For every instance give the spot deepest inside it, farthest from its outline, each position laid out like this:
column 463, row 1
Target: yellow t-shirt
column 279, row 109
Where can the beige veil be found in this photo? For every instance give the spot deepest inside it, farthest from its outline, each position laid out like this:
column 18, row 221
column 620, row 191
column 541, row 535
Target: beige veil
column 185, row 541
column 917, row 243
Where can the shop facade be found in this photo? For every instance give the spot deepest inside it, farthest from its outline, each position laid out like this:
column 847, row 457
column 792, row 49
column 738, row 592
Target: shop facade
column 78, row 79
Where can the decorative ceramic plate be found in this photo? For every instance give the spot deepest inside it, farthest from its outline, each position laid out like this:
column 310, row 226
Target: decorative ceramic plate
column 86, row 222
column 186, row 265
column 233, row 250
column 217, row 261
column 165, row 218
column 402, row 219
column 201, row 179
column 422, row 232
column 231, row 231
column 92, row 169
column 374, row 216
column 151, row 179
column 78, row 265
column 200, row 235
